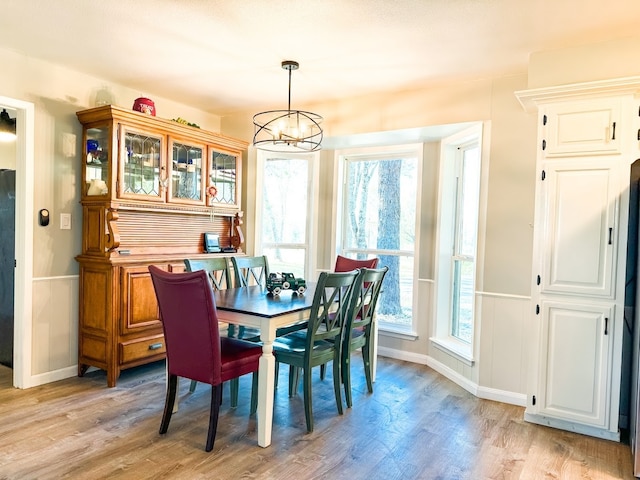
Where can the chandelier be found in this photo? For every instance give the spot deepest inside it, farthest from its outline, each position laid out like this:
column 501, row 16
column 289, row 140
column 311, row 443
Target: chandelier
column 286, row 131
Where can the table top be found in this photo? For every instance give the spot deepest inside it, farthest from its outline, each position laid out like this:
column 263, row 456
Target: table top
column 256, row 300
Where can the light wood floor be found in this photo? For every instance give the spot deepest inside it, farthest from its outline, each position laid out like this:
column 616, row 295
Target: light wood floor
column 417, row 425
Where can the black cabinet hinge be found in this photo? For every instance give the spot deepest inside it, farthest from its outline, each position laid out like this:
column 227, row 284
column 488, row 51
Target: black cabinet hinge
column 537, row 309
column 538, row 279
column 533, row 400
column 544, row 119
column 543, row 175
column 544, row 144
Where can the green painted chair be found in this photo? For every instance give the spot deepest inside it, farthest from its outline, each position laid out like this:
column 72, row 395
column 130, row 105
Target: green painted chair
column 250, row 270
column 358, row 330
column 217, row 269
column 219, row 274
column 320, row 342
column 346, row 264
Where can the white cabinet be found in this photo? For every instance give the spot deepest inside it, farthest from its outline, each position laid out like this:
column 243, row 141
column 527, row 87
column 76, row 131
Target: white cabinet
column 575, row 367
column 587, row 127
column 580, row 228
column 586, row 142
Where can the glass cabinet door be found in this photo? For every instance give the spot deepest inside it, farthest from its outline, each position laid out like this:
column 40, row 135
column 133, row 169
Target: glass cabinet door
column 223, row 177
column 187, row 179
column 97, row 161
column 143, row 174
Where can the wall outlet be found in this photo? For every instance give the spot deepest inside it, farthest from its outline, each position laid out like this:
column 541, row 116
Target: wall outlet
column 65, row 221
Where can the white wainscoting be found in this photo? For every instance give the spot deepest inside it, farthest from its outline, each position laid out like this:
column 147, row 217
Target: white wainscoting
column 54, row 342
column 500, row 369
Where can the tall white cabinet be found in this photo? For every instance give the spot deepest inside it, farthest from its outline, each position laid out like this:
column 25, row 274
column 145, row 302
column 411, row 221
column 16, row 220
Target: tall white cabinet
column 587, row 139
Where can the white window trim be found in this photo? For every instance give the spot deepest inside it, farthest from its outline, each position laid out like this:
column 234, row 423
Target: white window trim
column 441, row 337
column 312, row 212
column 411, row 149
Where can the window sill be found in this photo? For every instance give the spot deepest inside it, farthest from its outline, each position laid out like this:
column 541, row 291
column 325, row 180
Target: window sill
column 402, row 334
column 455, row 349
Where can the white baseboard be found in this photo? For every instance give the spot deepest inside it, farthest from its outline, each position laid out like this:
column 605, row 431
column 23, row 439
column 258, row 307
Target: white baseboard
column 572, row 427
column 54, row 376
column 487, row 393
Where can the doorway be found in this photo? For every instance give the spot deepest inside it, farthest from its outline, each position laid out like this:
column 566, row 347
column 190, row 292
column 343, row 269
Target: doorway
column 23, row 270
column 7, row 250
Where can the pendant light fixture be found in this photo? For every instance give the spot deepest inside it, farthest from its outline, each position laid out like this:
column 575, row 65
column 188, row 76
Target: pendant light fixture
column 7, row 127
column 286, row 131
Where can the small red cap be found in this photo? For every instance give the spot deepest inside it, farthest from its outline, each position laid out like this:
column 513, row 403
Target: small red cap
column 144, row 105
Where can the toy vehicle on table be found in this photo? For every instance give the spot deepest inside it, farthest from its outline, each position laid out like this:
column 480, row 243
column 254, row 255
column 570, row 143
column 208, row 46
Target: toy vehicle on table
column 276, row 282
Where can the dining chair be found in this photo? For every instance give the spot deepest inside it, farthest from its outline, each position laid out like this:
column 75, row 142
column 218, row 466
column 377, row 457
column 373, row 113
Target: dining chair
column 219, row 274
column 357, row 332
column 346, row 264
column 250, row 270
column 195, row 348
column 217, row 269
column 320, row 342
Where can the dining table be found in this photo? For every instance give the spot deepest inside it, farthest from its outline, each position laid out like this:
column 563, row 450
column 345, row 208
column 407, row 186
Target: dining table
column 254, row 306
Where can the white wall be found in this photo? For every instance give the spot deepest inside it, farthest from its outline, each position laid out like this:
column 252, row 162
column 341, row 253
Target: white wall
column 503, row 296
column 58, row 93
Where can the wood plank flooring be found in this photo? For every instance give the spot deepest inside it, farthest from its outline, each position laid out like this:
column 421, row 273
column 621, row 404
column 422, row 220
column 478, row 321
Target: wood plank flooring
column 417, row 425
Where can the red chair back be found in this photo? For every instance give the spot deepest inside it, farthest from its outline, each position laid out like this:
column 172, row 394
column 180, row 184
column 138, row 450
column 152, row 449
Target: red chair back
column 345, row 264
column 190, row 324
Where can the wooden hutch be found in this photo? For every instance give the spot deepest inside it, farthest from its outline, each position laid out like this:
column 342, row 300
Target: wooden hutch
column 151, row 188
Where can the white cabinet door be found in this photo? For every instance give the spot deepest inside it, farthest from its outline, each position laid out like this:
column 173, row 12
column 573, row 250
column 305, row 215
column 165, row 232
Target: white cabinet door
column 579, row 227
column 575, row 369
column 588, row 127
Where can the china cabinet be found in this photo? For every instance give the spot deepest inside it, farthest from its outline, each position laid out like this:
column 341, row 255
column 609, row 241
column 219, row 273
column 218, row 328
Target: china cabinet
column 151, row 189
column 586, row 144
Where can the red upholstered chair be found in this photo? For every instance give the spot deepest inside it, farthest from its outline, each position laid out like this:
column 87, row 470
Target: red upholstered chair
column 195, row 349
column 345, row 264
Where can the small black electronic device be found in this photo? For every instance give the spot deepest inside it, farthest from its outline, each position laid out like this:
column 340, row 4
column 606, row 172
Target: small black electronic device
column 211, row 243
column 43, row 217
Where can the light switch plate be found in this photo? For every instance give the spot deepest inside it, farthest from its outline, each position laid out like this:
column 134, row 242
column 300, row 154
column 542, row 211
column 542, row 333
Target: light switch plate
column 65, row 221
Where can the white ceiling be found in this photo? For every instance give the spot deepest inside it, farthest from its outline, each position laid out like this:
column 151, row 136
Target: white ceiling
column 224, row 55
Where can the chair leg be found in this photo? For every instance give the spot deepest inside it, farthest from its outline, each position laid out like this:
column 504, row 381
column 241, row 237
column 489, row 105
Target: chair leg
column 346, row 377
column 216, row 398
column 231, row 330
column 234, row 384
column 294, row 373
column 254, row 393
column 367, row 360
column 308, row 407
column 192, row 387
column 336, row 383
column 168, row 403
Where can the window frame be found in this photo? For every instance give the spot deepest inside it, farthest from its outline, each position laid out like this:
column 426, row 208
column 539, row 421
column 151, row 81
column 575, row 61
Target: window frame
column 445, row 254
column 380, row 153
column 262, row 157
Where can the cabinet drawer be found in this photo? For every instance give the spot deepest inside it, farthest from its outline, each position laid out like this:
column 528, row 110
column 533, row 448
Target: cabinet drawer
column 142, row 348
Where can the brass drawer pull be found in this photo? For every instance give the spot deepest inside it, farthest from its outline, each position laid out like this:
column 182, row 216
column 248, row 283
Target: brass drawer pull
column 155, row 346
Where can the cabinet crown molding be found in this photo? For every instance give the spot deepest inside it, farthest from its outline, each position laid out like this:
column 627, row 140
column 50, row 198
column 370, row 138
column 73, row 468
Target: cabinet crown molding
column 531, row 99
